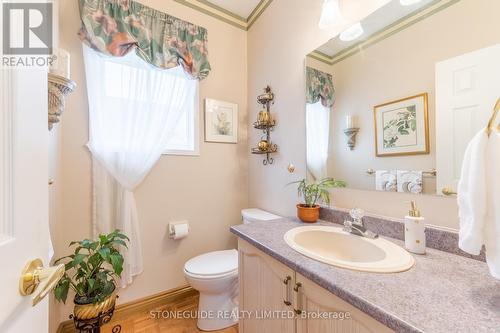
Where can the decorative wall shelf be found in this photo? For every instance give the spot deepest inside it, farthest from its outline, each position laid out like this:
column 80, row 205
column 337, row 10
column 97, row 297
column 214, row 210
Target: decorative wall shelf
column 266, row 124
column 272, row 149
column 59, row 88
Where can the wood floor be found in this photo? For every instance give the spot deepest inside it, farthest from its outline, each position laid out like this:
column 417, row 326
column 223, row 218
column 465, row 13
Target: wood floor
column 146, row 321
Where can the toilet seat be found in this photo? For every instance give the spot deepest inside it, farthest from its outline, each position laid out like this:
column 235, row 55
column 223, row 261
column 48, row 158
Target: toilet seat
column 213, row 265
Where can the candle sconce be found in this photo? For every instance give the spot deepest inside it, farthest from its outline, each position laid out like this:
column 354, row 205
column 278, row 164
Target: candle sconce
column 59, row 88
column 60, row 85
column 351, row 134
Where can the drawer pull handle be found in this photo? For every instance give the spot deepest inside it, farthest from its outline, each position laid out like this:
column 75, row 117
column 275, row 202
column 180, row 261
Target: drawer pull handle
column 297, row 300
column 287, row 290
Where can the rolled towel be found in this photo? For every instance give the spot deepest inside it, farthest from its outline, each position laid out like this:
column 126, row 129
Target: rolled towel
column 479, row 199
column 409, row 181
column 385, row 180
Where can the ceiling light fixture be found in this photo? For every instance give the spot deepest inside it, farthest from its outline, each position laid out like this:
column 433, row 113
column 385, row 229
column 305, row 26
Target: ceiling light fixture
column 351, row 33
column 408, row 2
column 330, row 14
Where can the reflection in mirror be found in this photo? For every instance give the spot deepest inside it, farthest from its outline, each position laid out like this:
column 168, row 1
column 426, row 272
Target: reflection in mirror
column 394, row 108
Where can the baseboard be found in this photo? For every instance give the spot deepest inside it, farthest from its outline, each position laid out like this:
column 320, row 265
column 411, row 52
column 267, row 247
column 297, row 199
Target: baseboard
column 143, row 304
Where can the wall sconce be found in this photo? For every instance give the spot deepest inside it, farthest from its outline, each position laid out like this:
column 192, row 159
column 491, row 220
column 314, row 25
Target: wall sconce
column 60, row 85
column 59, row 88
column 351, row 132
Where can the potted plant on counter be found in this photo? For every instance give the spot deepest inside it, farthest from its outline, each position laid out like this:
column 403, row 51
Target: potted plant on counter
column 313, row 193
column 91, row 272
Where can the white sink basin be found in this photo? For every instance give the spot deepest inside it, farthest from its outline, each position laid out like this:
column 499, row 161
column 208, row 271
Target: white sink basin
column 336, row 247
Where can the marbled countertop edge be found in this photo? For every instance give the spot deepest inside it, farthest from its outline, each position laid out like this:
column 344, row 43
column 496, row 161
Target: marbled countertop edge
column 396, row 313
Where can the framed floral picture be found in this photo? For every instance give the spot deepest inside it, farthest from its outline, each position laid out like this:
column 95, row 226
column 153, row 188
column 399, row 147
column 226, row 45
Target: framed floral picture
column 402, row 127
column 221, row 121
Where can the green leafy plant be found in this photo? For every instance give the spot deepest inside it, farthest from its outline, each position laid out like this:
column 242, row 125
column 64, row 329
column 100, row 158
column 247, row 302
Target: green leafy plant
column 317, row 191
column 92, row 268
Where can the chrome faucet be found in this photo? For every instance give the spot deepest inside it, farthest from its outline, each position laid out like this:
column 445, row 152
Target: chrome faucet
column 356, row 226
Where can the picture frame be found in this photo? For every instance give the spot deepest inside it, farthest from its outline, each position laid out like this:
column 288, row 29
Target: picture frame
column 221, row 121
column 402, row 127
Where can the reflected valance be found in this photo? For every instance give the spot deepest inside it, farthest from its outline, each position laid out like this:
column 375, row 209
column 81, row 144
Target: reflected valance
column 319, row 86
column 116, row 27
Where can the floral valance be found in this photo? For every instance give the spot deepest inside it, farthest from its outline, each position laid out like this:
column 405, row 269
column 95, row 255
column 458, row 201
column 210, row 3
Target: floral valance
column 319, row 86
column 116, row 27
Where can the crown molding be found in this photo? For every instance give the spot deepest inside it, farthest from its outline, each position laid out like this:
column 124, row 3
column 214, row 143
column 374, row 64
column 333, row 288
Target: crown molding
column 400, row 25
column 225, row 15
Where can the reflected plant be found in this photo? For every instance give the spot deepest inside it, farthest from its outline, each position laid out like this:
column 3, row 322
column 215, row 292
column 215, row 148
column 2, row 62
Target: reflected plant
column 315, row 192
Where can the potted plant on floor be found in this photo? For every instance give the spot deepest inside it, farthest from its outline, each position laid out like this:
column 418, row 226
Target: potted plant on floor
column 91, row 272
column 313, row 193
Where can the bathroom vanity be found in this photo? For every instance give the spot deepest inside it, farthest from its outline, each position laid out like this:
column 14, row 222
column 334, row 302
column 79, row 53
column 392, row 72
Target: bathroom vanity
column 442, row 292
column 287, row 296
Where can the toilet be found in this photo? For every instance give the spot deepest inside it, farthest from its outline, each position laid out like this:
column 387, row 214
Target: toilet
column 215, row 276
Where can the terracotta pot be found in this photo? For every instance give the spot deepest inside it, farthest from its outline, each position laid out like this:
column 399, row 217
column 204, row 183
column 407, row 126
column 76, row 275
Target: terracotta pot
column 308, row 214
column 86, row 309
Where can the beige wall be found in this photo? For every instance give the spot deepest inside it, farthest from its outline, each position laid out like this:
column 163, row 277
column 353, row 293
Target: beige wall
column 208, row 190
column 277, row 44
column 400, row 66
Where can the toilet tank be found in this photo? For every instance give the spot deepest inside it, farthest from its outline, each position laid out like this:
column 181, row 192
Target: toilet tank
column 254, row 215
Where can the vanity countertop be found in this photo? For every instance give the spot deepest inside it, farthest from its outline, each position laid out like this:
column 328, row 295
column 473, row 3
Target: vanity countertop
column 443, row 292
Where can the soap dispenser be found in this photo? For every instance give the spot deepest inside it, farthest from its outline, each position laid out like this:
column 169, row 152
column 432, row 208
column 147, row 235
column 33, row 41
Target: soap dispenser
column 415, row 231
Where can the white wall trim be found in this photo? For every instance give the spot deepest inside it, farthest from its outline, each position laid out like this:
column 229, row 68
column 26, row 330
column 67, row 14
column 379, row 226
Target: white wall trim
column 6, row 153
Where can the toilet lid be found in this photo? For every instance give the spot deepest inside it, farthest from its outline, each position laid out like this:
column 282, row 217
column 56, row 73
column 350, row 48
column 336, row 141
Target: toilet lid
column 213, row 263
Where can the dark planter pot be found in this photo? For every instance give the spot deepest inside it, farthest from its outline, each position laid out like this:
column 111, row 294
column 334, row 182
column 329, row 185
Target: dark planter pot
column 308, row 214
column 89, row 316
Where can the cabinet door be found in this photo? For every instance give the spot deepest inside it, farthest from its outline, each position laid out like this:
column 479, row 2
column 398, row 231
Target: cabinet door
column 265, row 286
column 313, row 301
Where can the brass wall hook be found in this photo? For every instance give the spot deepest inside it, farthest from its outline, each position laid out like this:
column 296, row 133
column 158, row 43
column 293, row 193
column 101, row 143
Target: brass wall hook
column 491, row 123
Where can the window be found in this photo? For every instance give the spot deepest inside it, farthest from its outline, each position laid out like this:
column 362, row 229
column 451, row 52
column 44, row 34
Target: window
column 136, row 83
column 185, row 140
column 318, row 137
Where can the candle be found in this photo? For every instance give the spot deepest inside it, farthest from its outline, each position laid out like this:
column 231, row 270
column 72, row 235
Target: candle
column 61, row 64
column 349, row 121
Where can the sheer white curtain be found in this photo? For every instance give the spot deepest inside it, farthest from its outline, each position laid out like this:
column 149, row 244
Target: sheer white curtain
column 133, row 111
column 318, row 134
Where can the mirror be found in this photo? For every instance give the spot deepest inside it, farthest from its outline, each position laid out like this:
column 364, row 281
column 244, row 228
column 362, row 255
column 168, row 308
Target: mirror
column 393, row 101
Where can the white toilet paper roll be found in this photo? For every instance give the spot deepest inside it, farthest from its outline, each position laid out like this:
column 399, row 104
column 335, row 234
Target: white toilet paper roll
column 180, row 230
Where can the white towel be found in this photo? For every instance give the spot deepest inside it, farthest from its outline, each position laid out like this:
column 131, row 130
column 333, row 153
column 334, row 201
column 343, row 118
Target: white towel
column 385, row 180
column 479, row 199
column 409, row 181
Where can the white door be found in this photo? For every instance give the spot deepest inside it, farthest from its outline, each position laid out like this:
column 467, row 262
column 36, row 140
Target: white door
column 24, row 233
column 467, row 88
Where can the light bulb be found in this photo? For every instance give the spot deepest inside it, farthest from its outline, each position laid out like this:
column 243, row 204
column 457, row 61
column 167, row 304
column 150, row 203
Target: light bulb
column 330, row 14
column 408, row 2
column 351, row 33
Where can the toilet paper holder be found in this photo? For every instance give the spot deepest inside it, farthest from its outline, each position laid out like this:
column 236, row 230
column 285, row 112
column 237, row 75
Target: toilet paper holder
column 172, row 226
